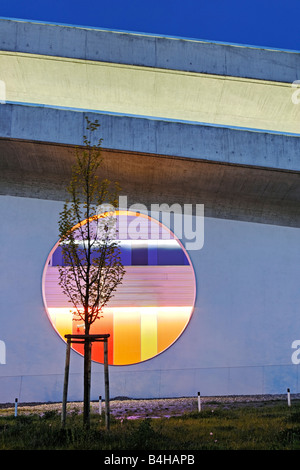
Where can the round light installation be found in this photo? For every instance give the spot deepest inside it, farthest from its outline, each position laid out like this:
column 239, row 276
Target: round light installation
column 150, row 309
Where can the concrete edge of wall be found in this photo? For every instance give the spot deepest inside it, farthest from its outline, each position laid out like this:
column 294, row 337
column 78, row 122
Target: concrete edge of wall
column 148, row 135
column 149, row 50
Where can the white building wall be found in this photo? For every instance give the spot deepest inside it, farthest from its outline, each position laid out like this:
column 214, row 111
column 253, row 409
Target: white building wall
column 239, row 340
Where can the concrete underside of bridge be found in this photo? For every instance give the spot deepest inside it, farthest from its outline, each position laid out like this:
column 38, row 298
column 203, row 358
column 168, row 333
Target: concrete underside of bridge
column 248, row 193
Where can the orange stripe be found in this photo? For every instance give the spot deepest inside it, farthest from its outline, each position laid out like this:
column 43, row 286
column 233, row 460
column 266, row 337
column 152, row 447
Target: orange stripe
column 170, row 324
column 127, row 336
column 102, row 326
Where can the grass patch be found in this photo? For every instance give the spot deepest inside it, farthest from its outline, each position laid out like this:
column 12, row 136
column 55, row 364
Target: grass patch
column 270, row 427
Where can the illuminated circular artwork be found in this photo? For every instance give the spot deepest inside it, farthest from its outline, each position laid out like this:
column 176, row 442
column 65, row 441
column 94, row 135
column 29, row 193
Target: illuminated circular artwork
column 152, row 306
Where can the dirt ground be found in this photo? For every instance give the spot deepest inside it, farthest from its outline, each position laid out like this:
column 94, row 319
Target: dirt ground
column 123, row 407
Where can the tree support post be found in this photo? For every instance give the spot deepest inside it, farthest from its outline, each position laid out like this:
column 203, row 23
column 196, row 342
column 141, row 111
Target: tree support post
column 106, row 381
column 66, row 381
column 87, row 340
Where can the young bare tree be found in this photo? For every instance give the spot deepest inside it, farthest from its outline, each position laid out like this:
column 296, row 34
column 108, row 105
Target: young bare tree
column 92, row 268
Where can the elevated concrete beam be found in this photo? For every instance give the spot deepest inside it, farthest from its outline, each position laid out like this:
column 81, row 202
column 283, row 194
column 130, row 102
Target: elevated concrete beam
column 149, row 50
column 41, row 170
column 141, row 135
column 150, row 92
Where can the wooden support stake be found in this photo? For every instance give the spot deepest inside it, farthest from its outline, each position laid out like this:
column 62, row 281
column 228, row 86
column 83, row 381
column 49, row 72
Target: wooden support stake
column 87, row 340
column 106, row 381
column 66, row 381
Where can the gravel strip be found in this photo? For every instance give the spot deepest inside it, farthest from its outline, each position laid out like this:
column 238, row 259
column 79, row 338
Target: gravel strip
column 123, row 407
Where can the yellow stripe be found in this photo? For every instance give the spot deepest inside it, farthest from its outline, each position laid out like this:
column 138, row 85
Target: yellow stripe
column 62, row 320
column 146, row 91
column 148, row 333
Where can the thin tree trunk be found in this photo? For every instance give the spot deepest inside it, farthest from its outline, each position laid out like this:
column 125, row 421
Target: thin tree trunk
column 86, row 375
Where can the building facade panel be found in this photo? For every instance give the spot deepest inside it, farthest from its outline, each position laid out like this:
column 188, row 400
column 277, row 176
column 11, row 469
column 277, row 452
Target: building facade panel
column 239, row 339
column 182, row 121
